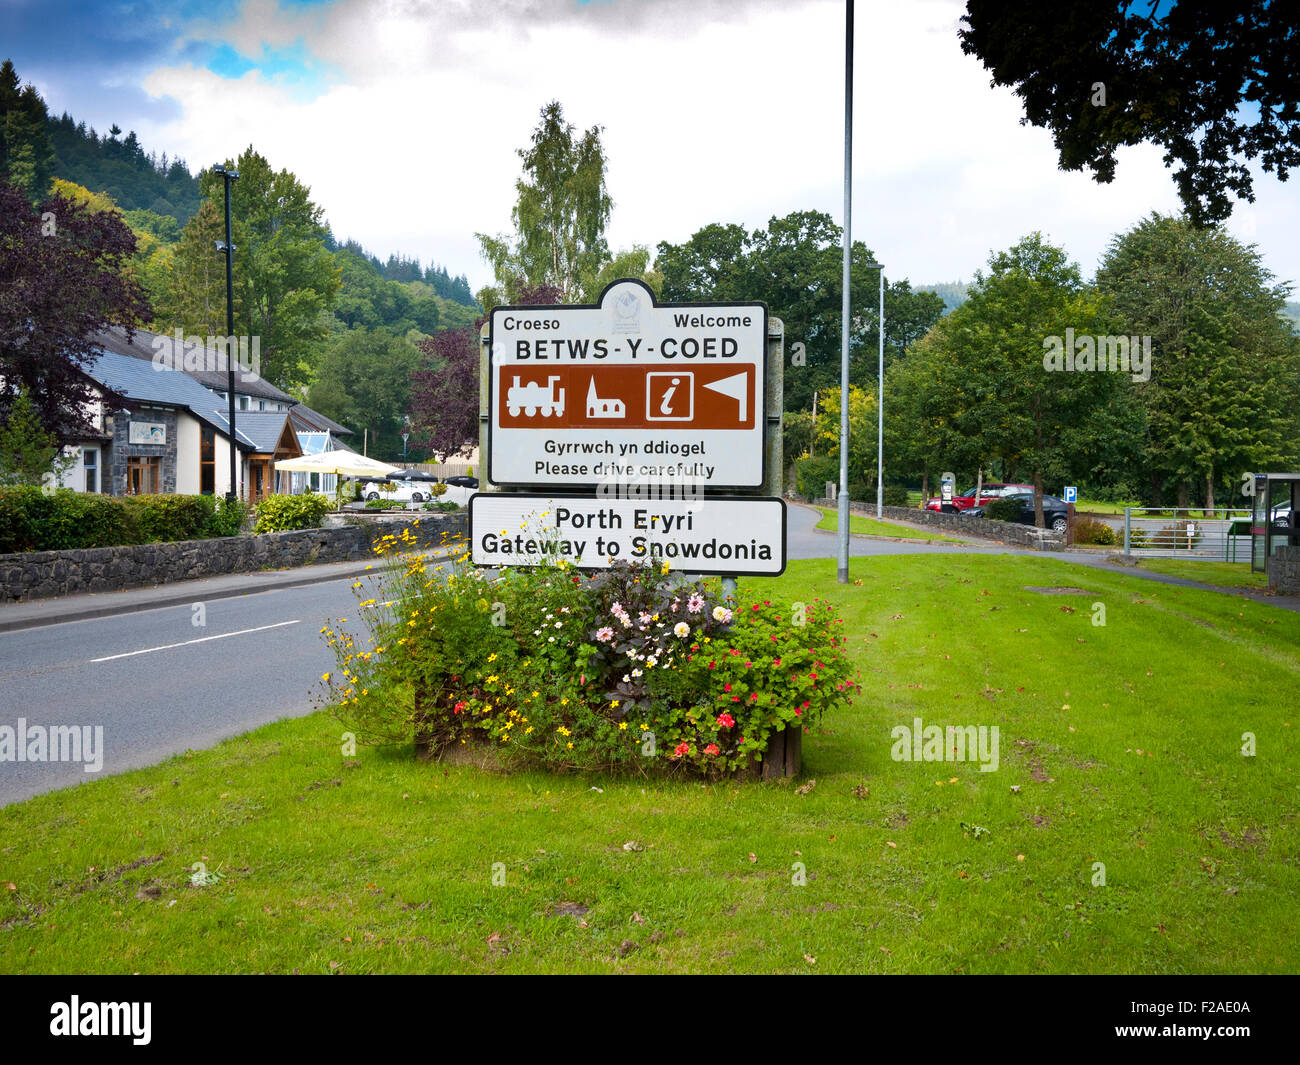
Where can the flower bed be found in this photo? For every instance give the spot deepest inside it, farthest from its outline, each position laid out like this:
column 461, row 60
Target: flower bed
column 628, row 668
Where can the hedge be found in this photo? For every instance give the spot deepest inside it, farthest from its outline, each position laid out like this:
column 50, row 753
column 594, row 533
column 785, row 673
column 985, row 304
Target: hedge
column 34, row 520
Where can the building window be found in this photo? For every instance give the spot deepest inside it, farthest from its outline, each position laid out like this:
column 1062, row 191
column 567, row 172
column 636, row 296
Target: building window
column 90, row 463
column 207, row 461
column 261, row 404
column 141, row 475
column 243, row 403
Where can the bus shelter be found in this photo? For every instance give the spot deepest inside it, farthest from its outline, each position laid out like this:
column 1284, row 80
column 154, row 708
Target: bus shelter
column 1274, row 517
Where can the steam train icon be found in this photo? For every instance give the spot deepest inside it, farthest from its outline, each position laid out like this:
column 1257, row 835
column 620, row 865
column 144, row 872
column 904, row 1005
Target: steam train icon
column 532, row 398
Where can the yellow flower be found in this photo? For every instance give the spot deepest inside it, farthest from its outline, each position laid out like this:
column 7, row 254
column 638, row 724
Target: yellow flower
column 492, row 657
column 325, row 677
column 569, row 745
column 613, row 702
column 622, row 726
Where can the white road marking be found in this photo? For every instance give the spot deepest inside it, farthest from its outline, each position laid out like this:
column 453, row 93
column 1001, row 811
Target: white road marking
column 201, row 639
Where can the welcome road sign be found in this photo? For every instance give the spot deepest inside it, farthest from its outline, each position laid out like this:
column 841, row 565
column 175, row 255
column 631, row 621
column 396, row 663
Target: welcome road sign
column 628, row 391
column 717, row 534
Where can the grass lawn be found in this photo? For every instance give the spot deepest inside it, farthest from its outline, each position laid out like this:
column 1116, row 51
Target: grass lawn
column 1224, row 574
column 871, row 527
column 1119, row 744
column 1084, row 507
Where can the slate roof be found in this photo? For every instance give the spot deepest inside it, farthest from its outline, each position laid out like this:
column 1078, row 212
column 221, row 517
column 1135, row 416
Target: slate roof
column 139, row 380
column 142, row 347
column 262, row 427
column 313, row 421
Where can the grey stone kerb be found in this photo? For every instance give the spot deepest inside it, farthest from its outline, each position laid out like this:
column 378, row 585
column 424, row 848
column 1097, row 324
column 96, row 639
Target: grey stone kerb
column 42, row 574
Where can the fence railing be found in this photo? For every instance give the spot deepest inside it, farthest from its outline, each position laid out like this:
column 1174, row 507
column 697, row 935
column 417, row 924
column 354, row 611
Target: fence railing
column 1173, row 532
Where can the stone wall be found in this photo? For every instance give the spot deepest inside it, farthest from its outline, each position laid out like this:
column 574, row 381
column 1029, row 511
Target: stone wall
column 1027, row 536
column 41, row 574
column 1284, row 571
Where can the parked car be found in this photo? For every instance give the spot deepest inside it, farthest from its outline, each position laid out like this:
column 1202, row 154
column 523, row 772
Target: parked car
column 992, row 490
column 403, row 490
column 463, row 482
column 1055, row 511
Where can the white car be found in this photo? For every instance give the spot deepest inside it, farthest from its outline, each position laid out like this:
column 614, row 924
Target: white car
column 402, row 491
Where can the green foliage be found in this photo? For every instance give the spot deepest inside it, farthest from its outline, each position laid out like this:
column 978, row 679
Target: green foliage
column 33, row 520
column 632, row 668
column 280, row 513
column 1002, row 509
column 1092, row 531
column 1225, row 364
column 811, row 475
column 27, row 450
column 363, row 380
column 26, row 157
column 560, row 214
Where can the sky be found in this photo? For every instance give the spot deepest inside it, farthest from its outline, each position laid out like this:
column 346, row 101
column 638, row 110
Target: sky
column 404, row 117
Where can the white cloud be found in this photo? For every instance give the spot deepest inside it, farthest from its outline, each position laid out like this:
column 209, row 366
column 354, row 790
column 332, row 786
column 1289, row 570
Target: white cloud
column 712, row 112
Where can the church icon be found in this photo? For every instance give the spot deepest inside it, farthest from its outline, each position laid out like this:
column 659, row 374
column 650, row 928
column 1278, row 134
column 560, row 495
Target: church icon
column 603, row 408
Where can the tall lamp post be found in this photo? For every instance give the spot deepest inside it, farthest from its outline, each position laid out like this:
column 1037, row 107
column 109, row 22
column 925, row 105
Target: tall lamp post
column 880, row 404
column 228, row 249
column 842, row 569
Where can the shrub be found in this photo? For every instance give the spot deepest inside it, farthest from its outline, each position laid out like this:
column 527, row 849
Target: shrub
column 631, row 668
column 1002, row 510
column 229, row 518
column 173, row 517
column 811, row 475
column 280, row 513
column 1092, row 531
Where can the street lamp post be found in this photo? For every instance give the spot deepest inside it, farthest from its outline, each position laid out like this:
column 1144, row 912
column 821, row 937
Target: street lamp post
column 228, row 249
column 842, row 569
column 880, row 405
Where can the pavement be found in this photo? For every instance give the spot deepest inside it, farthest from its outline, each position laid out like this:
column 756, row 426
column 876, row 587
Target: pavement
column 182, row 666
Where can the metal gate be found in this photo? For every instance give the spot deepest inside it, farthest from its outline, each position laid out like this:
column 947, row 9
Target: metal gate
column 1170, row 532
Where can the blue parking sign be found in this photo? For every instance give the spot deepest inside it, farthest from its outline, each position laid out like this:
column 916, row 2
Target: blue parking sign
column 1071, row 494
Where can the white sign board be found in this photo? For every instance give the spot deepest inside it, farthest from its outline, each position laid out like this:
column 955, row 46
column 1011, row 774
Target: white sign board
column 628, row 392
column 146, row 433
column 713, row 535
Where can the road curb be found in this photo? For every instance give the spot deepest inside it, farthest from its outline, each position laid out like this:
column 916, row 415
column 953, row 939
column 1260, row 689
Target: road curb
column 177, row 594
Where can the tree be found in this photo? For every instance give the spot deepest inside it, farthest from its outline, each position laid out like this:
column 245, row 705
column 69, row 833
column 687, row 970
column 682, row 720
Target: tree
column 985, row 388
column 27, row 450
column 795, row 266
column 1216, row 85
column 26, row 158
column 363, row 381
column 445, row 390
column 285, row 277
column 560, row 215
column 63, row 279
column 194, row 294
column 1225, row 365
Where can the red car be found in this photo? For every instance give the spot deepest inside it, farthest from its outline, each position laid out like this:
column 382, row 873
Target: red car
column 991, row 491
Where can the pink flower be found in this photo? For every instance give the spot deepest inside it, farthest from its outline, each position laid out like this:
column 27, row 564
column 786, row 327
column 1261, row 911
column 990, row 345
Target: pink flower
column 726, row 721
column 713, row 750
column 605, row 634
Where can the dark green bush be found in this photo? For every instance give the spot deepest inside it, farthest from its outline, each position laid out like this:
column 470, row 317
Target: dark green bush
column 1002, row 510
column 33, row 520
column 811, row 475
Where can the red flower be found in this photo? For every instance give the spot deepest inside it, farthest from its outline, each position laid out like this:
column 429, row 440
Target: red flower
column 753, row 697
column 727, row 687
column 806, row 705
column 713, row 664
column 776, row 661
column 812, row 676
column 681, row 749
column 713, row 750
column 459, row 707
column 726, row 721
column 798, row 710
column 735, row 698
